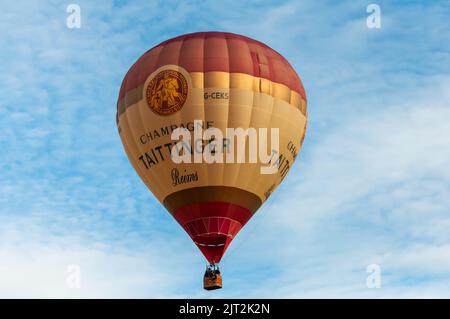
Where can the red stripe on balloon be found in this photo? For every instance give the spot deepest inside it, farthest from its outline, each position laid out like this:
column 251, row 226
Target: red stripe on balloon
column 214, row 51
column 212, row 225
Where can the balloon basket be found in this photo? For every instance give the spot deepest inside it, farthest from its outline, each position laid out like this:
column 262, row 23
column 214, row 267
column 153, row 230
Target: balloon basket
column 213, row 278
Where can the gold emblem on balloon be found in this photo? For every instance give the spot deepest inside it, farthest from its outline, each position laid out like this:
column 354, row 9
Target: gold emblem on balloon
column 167, row 92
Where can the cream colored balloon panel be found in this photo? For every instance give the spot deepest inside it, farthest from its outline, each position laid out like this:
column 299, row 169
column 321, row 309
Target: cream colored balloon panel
column 196, row 112
column 290, row 122
column 290, row 137
column 146, row 153
column 216, row 111
column 130, row 129
column 131, row 149
column 239, row 115
column 291, row 129
column 260, row 119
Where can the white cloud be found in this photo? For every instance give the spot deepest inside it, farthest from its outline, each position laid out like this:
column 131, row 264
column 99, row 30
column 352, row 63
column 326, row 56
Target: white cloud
column 371, row 184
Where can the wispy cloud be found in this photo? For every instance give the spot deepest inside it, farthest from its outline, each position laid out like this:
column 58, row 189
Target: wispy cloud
column 371, row 184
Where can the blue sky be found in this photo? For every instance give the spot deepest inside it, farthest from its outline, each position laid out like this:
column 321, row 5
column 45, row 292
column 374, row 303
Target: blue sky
column 371, row 184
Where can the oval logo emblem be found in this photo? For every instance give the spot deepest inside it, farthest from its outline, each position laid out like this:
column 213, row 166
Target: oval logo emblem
column 167, row 92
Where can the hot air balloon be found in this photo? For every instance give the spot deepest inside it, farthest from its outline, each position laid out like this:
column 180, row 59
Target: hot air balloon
column 220, row 80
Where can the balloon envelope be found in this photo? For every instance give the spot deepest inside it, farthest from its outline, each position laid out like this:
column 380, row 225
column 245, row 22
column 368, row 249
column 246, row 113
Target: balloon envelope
column 226, row 81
